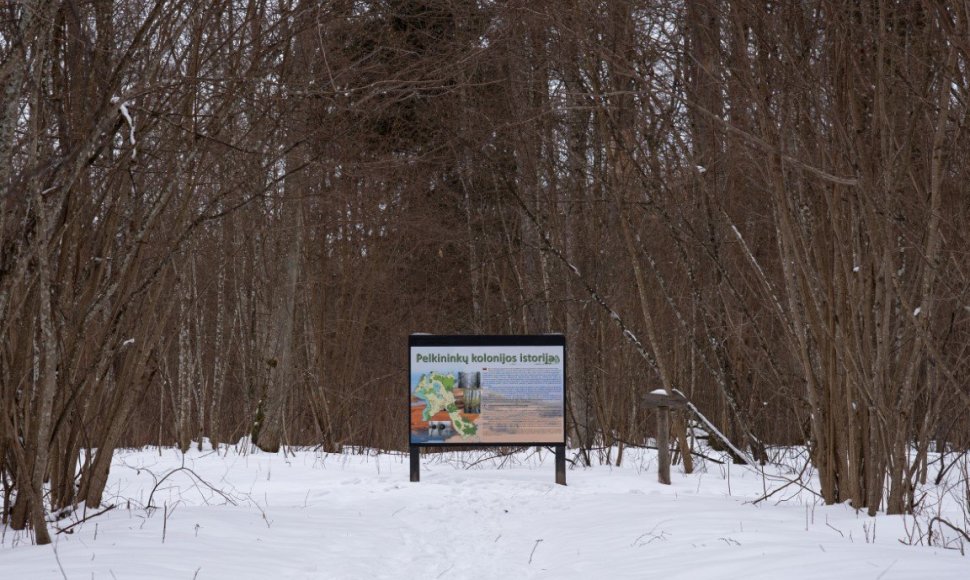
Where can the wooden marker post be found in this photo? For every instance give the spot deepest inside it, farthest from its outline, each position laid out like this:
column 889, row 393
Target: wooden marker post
column 663, row 403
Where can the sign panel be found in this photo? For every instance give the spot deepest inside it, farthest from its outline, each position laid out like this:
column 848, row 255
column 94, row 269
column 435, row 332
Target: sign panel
column 487, row 390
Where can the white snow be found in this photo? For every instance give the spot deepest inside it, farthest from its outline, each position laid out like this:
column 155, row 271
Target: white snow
column 917, row 311
column 855, row 268
column 317, row 515
column 128, row 342
column 123, row 109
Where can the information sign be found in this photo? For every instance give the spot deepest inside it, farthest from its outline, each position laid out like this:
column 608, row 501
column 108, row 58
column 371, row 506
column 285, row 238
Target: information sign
column 487, row 390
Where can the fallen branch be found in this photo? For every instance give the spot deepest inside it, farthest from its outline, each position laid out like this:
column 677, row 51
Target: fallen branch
column 951, row 526
column 717, row 432
column 797, row 481
column 194, row 474
column 633, row 445
column 67, row 529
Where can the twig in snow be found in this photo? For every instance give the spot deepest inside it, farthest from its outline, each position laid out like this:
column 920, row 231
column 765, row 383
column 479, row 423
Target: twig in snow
column 661, row 536
column 835, row 528
column 883, row 573
column 534, row 550
column 262, row 512
column 58, row 558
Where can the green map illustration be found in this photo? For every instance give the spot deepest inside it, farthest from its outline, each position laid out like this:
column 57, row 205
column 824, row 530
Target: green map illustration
column 437, row 389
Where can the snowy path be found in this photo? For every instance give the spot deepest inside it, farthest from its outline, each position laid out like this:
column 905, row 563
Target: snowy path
column 342, row 516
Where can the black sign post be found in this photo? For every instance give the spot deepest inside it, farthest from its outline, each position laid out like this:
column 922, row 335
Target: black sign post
column 487, row 391
column 561, row 464
column 415, row 463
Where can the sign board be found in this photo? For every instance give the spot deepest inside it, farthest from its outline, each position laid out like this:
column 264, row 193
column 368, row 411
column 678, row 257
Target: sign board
column 487, row 390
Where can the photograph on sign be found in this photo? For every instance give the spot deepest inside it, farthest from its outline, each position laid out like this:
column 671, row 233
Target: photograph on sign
column 482, row 395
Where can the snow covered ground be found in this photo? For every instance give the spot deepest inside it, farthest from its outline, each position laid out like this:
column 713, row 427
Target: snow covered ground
column 317, row 515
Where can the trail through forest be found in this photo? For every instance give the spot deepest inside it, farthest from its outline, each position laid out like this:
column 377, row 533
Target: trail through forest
column 474, row 515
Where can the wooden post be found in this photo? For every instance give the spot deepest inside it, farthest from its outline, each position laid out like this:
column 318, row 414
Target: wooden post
column 415, row 463
column 561, row 464
column 663, row 403
column 663, row 445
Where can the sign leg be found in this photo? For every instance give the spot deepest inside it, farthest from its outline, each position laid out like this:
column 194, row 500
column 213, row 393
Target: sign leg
column 561, row 464
column 415, row 463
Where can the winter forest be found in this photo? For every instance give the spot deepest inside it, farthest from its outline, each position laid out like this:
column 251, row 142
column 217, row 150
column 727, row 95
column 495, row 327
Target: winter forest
column 222, row 220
